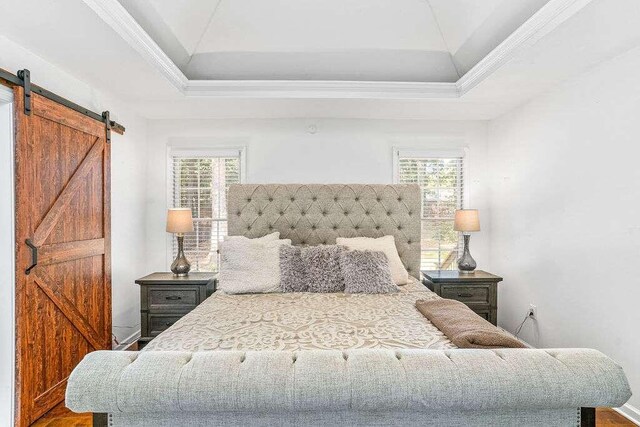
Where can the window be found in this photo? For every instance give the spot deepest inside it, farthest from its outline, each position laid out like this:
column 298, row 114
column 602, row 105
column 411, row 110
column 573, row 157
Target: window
column 199, row 180
column 440, row 176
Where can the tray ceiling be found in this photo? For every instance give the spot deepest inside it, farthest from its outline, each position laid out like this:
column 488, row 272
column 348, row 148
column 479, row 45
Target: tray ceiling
column 329, row 40
column 100, row 43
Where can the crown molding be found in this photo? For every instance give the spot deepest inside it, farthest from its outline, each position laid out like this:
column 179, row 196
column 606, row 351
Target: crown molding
column 319, row 89
column 550, row 16
column 120, row 20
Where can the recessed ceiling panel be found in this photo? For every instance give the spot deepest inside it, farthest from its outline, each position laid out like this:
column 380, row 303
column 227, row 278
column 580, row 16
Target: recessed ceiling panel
column 312, row 25
column 187, row 19
column 458, row 19
column 372, row 40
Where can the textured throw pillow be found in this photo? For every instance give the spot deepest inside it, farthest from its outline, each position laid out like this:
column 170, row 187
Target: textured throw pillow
column 249, row 266
column 272, row 236
column 366, row 272
column 292, row 270
column 311, row 269
column 322, row 265
column 385, row 244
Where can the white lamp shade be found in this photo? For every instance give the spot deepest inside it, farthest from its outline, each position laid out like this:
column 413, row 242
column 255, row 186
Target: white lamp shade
column 179, row 220
column 467, row 220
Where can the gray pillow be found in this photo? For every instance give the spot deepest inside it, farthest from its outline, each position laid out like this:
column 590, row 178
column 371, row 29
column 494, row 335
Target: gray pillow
column 311, row 269
column 322, row 267
column 366, row 272
column 292, row 270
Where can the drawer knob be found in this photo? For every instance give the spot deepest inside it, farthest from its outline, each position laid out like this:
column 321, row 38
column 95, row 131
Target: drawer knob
column 173, row 297
column 465, row 295
column 169, row 323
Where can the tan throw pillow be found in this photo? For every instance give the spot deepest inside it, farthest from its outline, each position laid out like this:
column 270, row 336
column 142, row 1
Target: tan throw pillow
column 273, row 236
column 385, row 244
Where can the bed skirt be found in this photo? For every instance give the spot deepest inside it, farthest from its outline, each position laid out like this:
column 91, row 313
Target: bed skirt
column 354, row 387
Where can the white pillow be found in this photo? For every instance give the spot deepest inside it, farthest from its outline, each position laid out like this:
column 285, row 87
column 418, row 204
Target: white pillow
column 250, row 266
column 273, row 236
column 385, row 244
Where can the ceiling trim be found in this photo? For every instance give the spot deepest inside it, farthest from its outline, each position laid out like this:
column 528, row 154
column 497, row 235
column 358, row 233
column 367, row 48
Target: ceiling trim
column 319, row 89
column 118, row 18
column 545, row 20
column 550, row 16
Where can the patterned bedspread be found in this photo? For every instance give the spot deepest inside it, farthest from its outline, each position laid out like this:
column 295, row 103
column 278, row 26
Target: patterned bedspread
column 305, row 321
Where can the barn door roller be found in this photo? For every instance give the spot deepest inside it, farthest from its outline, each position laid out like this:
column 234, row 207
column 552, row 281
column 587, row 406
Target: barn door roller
column 107, row 122
column 25, row 76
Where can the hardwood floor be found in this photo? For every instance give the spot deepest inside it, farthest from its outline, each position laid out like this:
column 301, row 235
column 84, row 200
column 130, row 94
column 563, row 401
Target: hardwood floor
column 62, row 417
column 607, row 417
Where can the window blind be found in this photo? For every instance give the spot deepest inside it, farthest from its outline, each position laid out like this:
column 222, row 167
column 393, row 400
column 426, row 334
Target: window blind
column 441, row 181
column 201, row 183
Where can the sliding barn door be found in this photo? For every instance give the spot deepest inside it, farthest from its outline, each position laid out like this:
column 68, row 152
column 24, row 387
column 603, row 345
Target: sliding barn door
column 63, row 283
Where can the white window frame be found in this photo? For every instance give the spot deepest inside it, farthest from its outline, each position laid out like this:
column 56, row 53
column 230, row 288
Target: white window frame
column 7, row 258
column 459, row 150
column 195, row 151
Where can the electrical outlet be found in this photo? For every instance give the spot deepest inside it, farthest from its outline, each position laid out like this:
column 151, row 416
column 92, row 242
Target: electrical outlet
column 533, row 311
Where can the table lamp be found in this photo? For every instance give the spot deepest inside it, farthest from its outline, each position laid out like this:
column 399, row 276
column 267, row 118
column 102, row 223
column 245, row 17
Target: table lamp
column 180, row 221
column 466, row 221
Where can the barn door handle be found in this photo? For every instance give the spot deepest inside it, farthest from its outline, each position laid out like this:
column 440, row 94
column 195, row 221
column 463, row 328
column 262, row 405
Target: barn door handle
column 34, row 256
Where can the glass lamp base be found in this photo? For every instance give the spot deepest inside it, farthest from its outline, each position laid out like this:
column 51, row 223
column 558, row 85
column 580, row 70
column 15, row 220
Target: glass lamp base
column 466, row 263
column 180, row 266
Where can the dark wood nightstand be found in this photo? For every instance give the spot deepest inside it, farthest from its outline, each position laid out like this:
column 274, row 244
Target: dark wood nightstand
column 165, row 298
column 478, row 290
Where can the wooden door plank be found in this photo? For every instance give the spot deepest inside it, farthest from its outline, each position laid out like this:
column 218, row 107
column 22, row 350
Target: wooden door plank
column 24, row 176
column 66, row 307
column 63, row 252
column 106, row 224
column 51, row 218
column 50, row 398
column 55, row 112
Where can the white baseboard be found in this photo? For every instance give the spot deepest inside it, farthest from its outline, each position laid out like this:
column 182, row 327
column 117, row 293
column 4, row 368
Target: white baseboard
column 128, row 341
column 629, row 412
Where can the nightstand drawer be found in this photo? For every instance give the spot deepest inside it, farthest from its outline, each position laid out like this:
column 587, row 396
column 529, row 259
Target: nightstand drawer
column 484, row 313
column 172, row 299
column 160, row 322
column 475, row 294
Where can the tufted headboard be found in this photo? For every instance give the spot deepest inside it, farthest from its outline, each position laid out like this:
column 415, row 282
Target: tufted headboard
column 313, row 214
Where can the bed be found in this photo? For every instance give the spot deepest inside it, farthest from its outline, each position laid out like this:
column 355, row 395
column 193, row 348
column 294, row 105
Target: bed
column 314, row 359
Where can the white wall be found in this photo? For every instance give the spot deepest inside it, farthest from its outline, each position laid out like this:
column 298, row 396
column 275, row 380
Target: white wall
column 128, row 210
column 283, row 151
column 565, row 214
column 127, row 178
